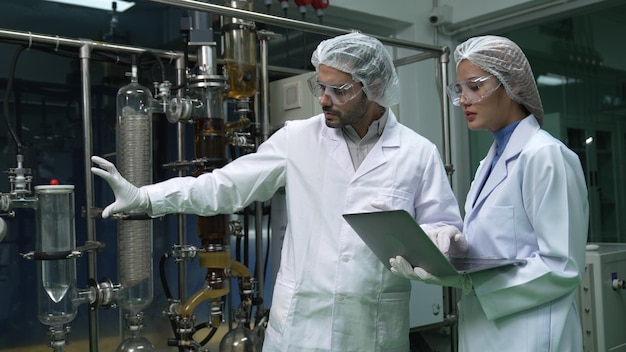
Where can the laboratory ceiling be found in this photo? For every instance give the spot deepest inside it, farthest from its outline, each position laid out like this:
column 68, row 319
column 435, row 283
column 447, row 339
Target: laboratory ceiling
column 154, row 25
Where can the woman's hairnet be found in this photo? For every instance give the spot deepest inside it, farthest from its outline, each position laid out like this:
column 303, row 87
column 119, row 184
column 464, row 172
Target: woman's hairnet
column 504, row 59
column 367, row 60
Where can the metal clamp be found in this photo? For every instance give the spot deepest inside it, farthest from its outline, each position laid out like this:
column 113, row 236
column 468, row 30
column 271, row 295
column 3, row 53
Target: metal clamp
column 69, row 254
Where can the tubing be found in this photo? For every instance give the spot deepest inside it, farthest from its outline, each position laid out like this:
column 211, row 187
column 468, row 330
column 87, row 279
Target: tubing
column 186, row 310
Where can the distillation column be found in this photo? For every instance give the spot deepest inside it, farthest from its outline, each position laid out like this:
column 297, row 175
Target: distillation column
column 134, row 160
column 207, row 92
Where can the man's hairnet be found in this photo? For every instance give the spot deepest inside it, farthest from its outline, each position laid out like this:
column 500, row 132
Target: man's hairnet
column 504, row 59
column 367, row 60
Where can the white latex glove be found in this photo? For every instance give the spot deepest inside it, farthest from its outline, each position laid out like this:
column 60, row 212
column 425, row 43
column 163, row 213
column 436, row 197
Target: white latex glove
column 402, row 268
column 449, row 240
column 376, row 204
column 127, row 196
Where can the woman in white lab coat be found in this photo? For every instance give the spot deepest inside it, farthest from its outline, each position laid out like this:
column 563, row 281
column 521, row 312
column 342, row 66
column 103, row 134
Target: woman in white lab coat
column 331, row 292
column 528, row 200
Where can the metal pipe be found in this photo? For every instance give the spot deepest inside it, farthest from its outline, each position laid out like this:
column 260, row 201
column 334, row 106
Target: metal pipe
column 288, row 70
column 447, row 321
column 182, row 224
column 85, row 56
column 265, row 87
column 450, row 296
column 447, row 154
column 415, row 58
column 288, row 23
column 265, row 132
column 58, row 42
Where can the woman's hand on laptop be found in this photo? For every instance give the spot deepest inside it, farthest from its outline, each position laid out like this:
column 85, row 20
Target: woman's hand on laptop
column 401, row 267
column 448, row 239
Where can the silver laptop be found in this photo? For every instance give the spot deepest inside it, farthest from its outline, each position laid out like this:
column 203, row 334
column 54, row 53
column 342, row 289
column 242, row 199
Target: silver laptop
column 395, row 232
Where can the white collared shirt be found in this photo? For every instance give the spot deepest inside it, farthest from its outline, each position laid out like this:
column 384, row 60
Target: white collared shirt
column 360, row 147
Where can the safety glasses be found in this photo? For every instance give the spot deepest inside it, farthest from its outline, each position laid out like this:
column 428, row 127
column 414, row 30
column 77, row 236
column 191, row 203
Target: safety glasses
column 472, row 90
column 340, row 94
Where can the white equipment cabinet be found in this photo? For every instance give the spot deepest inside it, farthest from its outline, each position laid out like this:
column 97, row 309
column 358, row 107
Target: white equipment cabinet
column 290, row 99
column 602, row 298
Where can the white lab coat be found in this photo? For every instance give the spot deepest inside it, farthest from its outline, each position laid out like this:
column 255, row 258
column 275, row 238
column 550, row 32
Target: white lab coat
column 331, row 293
column 533, row 206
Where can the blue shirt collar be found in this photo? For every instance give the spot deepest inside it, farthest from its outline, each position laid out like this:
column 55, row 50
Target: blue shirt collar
column 503, row 135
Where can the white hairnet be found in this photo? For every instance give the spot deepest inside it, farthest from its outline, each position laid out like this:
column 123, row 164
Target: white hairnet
column 504, row 59
column 367, row 60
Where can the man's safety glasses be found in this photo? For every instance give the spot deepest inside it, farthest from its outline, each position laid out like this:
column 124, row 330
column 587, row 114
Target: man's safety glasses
column 472, row 90
column 340, row 94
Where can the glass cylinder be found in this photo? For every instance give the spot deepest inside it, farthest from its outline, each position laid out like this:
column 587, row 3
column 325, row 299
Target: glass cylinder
column 135, row 264
column 134, row 131
column 208, row 102
column 240, row 53
column 56, row 234
column 134, row 162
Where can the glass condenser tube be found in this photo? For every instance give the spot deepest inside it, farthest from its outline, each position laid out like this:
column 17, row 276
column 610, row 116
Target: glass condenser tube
column 134, row 160
column 56, row 234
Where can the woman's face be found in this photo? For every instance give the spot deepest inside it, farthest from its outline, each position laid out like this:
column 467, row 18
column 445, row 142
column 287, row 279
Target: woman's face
column 483, row 99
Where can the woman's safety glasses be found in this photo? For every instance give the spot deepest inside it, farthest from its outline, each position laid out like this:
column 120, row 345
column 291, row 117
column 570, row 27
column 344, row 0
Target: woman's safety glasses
column 472, row 90
column 340, row 94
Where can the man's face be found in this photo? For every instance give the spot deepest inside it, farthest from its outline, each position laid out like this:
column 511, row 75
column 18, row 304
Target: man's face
column 350, row 113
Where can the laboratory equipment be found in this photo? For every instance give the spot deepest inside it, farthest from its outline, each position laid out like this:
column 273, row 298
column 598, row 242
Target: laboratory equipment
column 203, row 106
column 601, row 298
column 57, row 294
column 240, row 52
column 241, row 339
column 56, row 271
column 134, row 159
column 135, row 342
column 240, row 59
column 20, row 196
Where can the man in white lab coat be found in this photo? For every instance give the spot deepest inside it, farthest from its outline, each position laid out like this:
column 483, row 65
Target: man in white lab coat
column 331, row 292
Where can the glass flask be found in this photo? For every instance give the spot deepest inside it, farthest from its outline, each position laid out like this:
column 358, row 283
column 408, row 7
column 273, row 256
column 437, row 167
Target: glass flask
column 136, row 343
column 240, row 339
column 56, row 234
